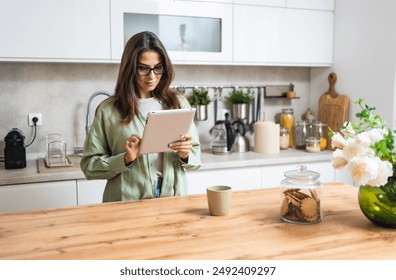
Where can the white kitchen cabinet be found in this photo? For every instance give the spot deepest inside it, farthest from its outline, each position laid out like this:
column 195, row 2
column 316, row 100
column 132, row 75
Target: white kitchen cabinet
column 257, row 34
column 235, row 32
column 268, row 176
column 55, row 30
column 243, row 178
column 90, row 191
column 307, row 37
column 273, row 175
column 211, row 1
column 192, row 32
column 277, row 36
column 269, row 3
column 38, row 196
column 311, row 4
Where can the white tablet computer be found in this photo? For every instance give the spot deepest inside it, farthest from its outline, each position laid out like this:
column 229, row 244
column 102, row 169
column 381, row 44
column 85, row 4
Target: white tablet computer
column 164, row 127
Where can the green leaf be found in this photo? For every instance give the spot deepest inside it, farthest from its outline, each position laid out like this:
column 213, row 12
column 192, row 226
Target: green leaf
column 330, row 132
column 199, row 97
column 239, row 97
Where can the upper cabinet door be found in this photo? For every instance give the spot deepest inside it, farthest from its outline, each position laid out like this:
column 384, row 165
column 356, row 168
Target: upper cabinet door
column 327, row 5
column 55, row 30
column 192, row 32
column 307, row 37
column 278, row 36
column 269, row 3
column 257, row 34
column 212, row 1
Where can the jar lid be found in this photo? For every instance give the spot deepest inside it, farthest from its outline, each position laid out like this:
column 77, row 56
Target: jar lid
column 302, row 174
column 312, row 140
column 287, row 110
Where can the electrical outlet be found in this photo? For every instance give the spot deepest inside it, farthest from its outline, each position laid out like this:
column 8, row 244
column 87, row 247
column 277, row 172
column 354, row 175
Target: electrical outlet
column 38, row 116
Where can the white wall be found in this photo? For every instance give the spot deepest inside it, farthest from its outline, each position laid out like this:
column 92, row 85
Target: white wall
column 364, row 56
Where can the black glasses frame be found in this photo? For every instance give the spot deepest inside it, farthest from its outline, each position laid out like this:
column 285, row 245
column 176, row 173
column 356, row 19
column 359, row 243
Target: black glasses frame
column 148, row 70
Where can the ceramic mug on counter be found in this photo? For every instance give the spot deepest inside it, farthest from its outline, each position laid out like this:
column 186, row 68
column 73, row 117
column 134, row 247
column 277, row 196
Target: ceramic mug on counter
column 219, row 200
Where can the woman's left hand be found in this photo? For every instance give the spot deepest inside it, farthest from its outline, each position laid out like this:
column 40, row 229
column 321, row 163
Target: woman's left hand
column 183, row 146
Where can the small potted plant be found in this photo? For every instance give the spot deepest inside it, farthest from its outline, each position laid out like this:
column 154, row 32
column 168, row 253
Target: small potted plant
column 200, row 100
column 291, row 92
column 240, row 101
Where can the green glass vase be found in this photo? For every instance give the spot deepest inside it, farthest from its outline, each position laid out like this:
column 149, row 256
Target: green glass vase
column 377, row 207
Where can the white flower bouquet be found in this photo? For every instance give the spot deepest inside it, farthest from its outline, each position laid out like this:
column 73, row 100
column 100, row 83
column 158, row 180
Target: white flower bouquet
column 367, row 148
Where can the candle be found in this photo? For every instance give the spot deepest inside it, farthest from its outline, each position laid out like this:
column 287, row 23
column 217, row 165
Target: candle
column 266, row 137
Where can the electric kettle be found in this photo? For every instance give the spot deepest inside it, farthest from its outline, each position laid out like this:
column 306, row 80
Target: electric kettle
column 223, row 136
column 241, row 142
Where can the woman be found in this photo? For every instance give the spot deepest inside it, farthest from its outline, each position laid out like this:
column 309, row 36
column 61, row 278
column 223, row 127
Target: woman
column 112, row 145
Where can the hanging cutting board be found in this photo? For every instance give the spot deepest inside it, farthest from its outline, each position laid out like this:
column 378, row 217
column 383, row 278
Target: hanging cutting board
column 333, row 108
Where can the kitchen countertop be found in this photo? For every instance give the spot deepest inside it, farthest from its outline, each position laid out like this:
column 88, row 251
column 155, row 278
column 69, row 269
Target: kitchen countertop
column 182, row 228
column 31, row 173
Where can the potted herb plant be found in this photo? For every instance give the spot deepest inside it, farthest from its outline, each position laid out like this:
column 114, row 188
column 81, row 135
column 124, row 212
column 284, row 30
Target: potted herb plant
column 240, row 101
column 200, row 100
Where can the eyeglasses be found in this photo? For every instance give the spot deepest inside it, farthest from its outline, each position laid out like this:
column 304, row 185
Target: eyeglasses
column 144, row 70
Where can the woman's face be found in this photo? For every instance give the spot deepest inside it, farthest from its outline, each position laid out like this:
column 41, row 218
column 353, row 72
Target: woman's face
column 150, row 71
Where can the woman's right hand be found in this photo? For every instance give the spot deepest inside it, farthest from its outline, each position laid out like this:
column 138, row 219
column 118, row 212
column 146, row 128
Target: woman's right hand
column 132, row 148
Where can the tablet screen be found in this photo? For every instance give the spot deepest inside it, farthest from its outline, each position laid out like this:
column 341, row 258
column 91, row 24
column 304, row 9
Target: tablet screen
column 164, row 127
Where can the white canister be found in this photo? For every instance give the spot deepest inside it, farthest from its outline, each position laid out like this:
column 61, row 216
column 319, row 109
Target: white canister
column 266, row 137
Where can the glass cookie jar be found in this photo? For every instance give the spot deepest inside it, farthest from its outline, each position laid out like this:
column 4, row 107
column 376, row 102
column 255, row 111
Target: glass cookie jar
column 301, row 195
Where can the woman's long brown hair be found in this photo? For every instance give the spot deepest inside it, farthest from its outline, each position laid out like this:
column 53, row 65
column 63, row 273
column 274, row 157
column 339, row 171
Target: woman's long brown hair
column 126, row 88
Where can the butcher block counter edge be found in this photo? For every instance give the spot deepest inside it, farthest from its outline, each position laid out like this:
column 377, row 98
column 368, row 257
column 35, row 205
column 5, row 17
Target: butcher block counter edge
column 31, row 173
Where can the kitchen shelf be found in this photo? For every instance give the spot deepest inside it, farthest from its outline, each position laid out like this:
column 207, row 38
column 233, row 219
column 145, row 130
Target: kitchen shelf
column 280, row 97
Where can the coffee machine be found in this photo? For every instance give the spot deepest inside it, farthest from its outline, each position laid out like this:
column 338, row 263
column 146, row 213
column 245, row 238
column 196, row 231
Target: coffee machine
column 14, row 151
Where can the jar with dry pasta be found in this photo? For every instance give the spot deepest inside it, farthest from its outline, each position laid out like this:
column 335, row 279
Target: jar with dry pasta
column 301, row 195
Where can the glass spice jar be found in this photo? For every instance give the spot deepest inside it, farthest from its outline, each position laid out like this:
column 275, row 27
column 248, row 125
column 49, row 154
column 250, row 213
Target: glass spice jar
column 287, row 121
column 301, row 195
column 310, row 120
column 284, row 138
column 312, row 144
column 300, row 133
column 318, row 130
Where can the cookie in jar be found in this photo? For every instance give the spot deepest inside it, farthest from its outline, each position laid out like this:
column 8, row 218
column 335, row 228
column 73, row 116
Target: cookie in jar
column 301, row 195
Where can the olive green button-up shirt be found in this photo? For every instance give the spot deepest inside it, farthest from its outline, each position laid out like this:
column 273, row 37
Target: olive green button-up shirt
column 103, row 158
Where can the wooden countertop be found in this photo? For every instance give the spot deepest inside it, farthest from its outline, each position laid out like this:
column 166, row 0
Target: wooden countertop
column 181, row 228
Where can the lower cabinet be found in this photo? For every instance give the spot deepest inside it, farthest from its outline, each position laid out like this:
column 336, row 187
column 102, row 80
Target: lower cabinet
column 237, row 178
column 37, row 196
column 253, row 177
column 273, row 175
column 90, row 191
column 34, row 196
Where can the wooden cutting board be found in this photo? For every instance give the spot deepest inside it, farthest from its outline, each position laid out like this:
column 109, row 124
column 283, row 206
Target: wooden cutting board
column 333, row 108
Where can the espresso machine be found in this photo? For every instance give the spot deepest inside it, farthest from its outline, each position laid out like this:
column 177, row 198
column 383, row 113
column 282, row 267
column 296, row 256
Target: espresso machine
column 14, row 151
